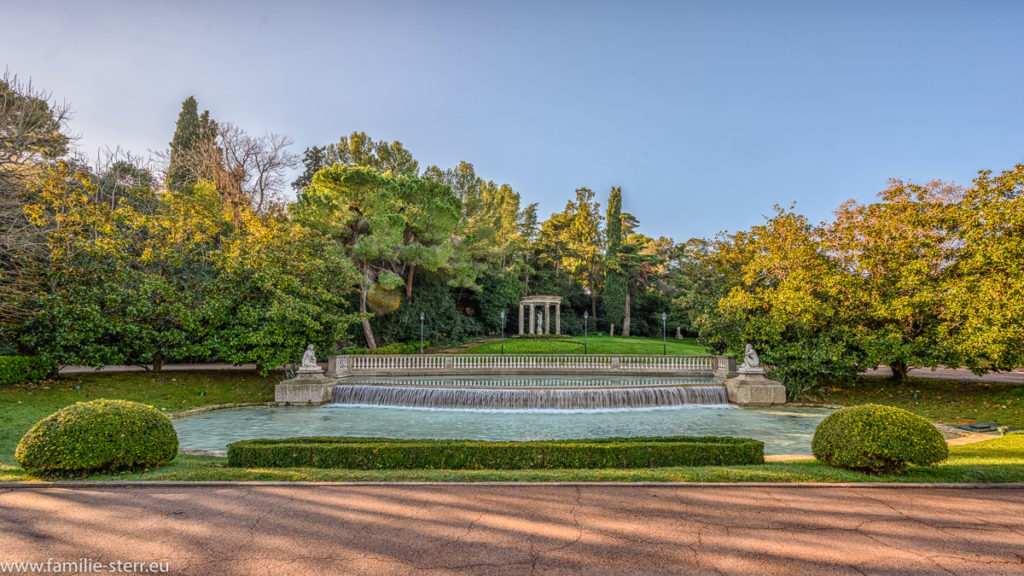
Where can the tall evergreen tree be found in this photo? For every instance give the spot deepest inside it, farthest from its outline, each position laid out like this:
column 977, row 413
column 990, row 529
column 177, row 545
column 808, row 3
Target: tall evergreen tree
column 194, row 138
column 615, row 281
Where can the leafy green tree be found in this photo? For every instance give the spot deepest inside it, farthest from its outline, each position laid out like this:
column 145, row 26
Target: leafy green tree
column 983, row 311
column 897, row 256
column 384, row 223
column 278, row 288
column 789, row 303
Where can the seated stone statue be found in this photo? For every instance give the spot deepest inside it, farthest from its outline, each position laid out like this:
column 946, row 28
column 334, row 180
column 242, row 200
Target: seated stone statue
column 750, row 358
column 309, row 358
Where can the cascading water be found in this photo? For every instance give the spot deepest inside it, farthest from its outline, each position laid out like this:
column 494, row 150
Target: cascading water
column 528, row 398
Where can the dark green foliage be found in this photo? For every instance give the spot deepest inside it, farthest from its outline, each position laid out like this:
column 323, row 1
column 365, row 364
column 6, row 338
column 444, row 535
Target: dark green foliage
column 615, row 281
column 383, row 453
column 877, row 439
column 444, row 323
column 101, row 435
column 500, row 292
column 194, row 135
column 15, row 369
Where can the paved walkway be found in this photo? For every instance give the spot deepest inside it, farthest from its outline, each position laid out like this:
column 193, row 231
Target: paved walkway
column 522, row 529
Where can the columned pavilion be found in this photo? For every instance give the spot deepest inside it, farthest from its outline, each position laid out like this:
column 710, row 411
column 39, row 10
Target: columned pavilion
column 540, row 314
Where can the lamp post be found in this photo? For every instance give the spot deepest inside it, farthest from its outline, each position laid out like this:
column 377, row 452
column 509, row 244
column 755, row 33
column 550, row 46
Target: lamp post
column 421, row 332
column 502, row 331
column 664, row 339
column 586, row 315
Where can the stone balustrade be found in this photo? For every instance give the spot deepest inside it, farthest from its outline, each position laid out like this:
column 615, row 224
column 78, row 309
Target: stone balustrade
column 397, row 365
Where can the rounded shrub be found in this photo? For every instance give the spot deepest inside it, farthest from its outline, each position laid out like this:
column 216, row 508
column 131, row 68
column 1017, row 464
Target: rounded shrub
column 877, row 439
column 98, row 436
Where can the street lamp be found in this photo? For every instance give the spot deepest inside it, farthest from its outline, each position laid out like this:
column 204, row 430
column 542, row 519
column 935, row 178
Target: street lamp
column 421, row 332
column 502, row 331
column 586, row 315
column 664, row 340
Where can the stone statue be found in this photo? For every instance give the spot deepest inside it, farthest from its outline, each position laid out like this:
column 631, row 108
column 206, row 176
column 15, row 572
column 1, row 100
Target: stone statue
column 750, row 358
column 309, row 358
column 540, row 322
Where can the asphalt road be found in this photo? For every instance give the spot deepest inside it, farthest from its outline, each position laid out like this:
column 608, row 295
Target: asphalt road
column 522, row 529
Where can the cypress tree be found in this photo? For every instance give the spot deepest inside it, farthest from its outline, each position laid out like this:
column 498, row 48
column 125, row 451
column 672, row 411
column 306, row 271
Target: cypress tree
column 615, row 281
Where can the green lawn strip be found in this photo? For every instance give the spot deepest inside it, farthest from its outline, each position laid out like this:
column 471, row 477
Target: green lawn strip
column 22, row 405
column 996, row 460
column 943, row 401
column 595, row 345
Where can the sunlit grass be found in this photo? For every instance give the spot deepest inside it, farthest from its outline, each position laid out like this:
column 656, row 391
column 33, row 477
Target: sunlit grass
column 594, row 345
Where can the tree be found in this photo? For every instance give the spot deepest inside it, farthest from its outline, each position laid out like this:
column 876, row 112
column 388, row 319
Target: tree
column 253, row 166
column 193, row 155
column 789, row 302
column 278, row 288
column 384, row 223
column 357, row 149
column 898, row 256
column 615, row 281
column 984, row 310
column 314, row 159
column 32, row 135
column 582, row 243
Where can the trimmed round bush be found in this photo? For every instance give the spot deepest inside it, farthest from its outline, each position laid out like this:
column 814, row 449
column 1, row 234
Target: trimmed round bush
column 98, row 436
column 877, row 439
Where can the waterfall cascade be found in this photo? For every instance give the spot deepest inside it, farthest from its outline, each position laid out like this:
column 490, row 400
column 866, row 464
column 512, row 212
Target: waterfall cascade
column 528, row 398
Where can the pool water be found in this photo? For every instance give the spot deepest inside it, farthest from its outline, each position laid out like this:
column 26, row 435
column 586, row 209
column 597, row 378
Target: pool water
column 783, row 430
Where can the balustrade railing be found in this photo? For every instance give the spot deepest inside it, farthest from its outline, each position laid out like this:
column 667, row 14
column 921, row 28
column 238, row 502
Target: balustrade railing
column 513, row 363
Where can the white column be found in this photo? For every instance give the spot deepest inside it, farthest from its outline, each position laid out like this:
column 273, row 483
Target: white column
column 520, row 318
column 533, row 320
column 558, row 318
column 547, row 318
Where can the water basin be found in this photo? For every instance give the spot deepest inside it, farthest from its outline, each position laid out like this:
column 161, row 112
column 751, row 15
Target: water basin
column 783, row 430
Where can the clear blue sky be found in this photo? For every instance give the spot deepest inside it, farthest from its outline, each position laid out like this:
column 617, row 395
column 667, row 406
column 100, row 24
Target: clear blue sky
column 706, row 113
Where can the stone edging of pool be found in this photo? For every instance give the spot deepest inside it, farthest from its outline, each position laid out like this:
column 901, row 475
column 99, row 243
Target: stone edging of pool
column 227, row 484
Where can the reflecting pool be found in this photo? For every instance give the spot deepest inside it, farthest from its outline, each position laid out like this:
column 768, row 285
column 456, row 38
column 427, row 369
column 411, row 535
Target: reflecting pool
column 783, row 430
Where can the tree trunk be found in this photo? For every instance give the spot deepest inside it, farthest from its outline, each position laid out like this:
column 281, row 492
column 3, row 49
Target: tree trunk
column 611, row 330
column 899, row 370
column 625, row 318
column 367, row 331
column 408, row 283
column 158, row 361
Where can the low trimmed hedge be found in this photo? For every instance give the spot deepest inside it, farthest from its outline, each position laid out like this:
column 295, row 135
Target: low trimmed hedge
column 877, row 439
column 98, row 436
column 16, row 369
column 397, row 454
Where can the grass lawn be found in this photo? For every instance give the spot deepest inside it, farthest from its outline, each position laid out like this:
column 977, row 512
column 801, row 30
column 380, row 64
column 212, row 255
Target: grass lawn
column 21, row 406
column 997, row 460
column 944, row 401
column 595, row 345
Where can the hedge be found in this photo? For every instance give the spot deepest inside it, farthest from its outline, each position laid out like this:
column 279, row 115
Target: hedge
column 15, row 369
column 393, row 454
column 100, row 435
column 877, row 439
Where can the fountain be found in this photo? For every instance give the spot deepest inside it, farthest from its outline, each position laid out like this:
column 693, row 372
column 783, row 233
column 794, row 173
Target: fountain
column 537, row 398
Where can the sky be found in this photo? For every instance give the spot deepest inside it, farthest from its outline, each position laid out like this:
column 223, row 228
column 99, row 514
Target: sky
column 705, row 113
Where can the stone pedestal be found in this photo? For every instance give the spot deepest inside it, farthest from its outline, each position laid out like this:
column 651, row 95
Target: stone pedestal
column 309, row 386
column 751, row 387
